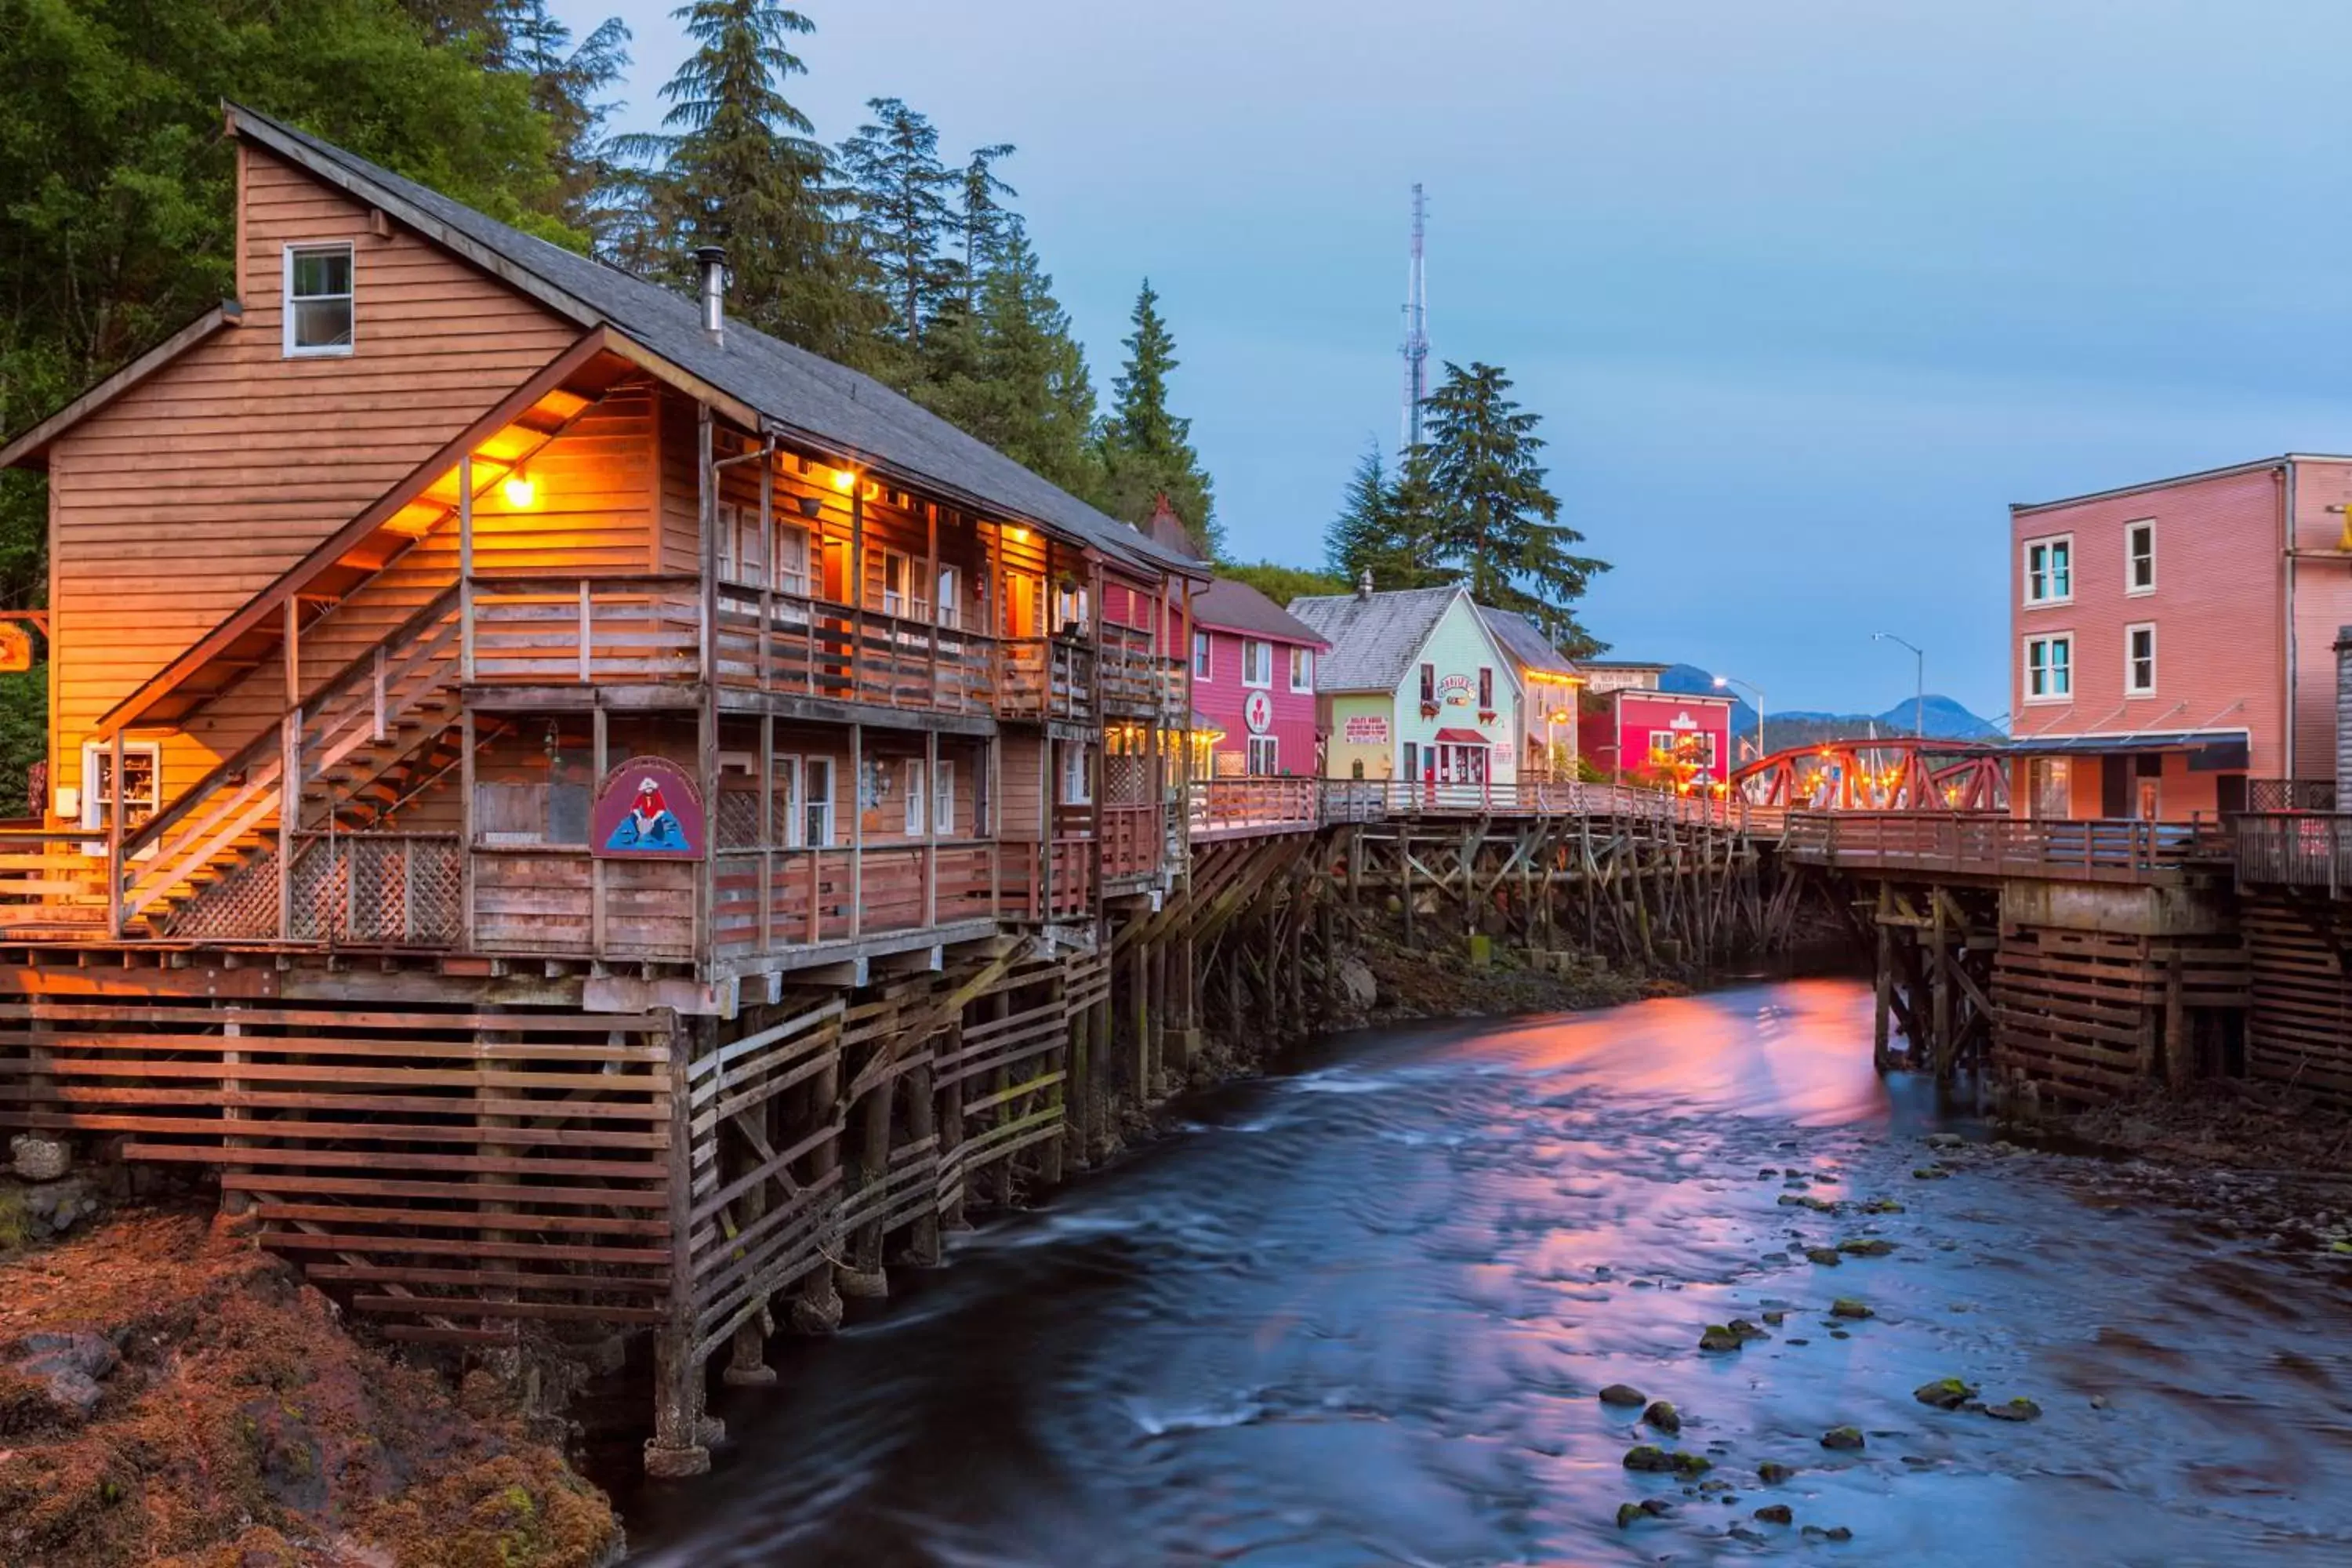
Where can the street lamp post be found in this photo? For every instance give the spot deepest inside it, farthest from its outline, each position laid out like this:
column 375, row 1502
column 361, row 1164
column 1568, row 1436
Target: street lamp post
column 1723, row 681
column 1919, row 671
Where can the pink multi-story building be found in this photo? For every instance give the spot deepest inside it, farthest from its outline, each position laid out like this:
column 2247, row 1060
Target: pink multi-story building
column 1254, row 681
column 2172, row 641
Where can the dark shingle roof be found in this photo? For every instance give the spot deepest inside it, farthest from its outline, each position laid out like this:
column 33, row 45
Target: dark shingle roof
column 800, row 392
column 1235, row 607
column 1373, row 638
column 1523, row 642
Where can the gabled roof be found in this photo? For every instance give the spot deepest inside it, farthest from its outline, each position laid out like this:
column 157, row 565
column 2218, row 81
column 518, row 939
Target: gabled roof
column 797, row 395
column 34, row 444
column 1523, row 642
column 1228, row 606
column 1373, row 637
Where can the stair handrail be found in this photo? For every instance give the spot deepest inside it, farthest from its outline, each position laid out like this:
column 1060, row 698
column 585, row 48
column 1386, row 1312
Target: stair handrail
column 271, row 740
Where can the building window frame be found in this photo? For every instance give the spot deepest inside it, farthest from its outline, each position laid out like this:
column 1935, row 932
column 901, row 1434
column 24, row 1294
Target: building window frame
column 2135, row 663
column 1204, row 657
column 1485, row 689
column 97, row 796
column 2050, row 667
column 1257, row 664
column 1075, row 785
column 291, row 302
column 2139, row 557
column 1265, row 756
column 2049, row 563
column 1302, row 668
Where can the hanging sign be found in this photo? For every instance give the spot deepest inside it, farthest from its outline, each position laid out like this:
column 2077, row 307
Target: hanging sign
column 1257, row 712
column 648, row 809
column 16, row 647
column 1455, row 689
column 1366, row 730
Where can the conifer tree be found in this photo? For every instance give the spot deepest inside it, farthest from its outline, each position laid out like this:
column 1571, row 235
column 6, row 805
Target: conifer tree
column 567, row 83
column 1146, row 450
column 1496, row 528
column 897, row 191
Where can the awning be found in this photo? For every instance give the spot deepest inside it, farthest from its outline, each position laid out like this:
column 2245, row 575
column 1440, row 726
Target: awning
column 2210, row 750
column 1204, row 725
column 1461, row 738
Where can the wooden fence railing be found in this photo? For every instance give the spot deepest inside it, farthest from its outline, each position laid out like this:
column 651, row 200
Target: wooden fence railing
column 50, row 879
column 2295, row 850
column 2107, row 849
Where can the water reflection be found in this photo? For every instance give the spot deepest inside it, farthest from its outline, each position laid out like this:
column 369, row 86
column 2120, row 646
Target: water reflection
column 1359, row 1315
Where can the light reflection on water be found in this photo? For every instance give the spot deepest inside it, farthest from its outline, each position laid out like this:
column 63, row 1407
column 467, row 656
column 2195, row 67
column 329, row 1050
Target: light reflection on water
column 1359, row 1315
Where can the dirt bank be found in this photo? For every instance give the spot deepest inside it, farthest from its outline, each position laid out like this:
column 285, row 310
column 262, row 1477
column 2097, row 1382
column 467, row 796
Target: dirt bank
column 2228, row 1124
column 171, row 1395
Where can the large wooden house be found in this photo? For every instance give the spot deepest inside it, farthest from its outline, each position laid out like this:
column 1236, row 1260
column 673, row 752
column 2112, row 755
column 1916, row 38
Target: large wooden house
column 569, row 806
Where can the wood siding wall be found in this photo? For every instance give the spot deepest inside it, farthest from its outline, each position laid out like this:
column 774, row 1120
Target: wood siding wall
column 179, row 501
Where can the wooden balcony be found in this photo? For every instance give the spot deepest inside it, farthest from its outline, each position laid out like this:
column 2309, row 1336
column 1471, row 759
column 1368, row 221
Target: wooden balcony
column 1134, row 841
column 1995, row 845
column 1247, row 807
column 767, row 901
column 2311, row 850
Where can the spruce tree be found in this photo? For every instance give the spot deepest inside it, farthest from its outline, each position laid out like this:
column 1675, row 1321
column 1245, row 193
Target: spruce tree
column 567, row 84
column 1360, row 531
column 735, row 165
column 1496, row 528
column 1146, row 450
column 897, row 191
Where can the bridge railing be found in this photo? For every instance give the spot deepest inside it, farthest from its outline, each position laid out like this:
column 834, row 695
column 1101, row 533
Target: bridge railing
column 1988, row 842
column 1231, row 806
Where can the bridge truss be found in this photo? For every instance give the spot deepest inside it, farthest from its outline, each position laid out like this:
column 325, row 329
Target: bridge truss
column 1891, row 773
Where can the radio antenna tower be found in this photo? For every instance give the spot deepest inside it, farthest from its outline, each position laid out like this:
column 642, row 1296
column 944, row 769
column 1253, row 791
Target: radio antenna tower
column 1416, row 330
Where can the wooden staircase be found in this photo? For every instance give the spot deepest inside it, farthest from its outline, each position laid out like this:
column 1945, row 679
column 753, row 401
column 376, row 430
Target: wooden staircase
column 211, row 864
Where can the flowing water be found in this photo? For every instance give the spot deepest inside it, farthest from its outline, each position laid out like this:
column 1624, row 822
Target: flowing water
column 1359, row 1314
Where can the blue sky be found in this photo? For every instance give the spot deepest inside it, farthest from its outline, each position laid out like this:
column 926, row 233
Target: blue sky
column 1805, row 293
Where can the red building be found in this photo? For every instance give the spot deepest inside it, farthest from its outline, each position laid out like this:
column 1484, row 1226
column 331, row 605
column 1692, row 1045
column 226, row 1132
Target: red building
column 1253, row 678
column 1676, row 737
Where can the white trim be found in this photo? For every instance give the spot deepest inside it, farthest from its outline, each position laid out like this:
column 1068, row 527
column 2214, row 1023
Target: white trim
column 2131, row 688
column 91, row 753
column 292, row 350
column 2055, row 698
column 1265, row 684
column 1204, row 657
column 1299, row 651
column 1273, row 746
column 2132, row 590
column 918, row 809
column 943, row 798
column 2045, row 543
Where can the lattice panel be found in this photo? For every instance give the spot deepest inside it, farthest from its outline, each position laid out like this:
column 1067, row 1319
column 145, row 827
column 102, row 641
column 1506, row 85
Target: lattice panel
column 243, row 905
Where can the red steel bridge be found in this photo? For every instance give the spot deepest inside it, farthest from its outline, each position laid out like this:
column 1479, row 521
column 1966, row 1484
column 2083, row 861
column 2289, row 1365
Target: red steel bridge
column 1890, row 774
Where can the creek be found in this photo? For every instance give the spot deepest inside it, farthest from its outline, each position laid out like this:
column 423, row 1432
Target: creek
column 1359, row 1314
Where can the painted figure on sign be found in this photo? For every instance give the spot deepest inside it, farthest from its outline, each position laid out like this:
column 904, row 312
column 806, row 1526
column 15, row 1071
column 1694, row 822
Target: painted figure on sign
column 650, row 824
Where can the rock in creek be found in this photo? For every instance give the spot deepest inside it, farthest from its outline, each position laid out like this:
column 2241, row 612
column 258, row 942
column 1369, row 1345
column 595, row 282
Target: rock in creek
column 1834, row 1533
column 1945, row 1140
column 1652, row 1459
column 1945, row 1393
column 1930, row 1174
column 1773, row 1472
column 1866, row 1247
column 2018, row 1409
column 1663, row 1416
column 1358, row 987
column 1847, row 1437
column 1622, row 1393
column 1847, row 1307
column 1719, row 1338
column 1827, row 1257
column 1775, row 1513
column 1881, row 1205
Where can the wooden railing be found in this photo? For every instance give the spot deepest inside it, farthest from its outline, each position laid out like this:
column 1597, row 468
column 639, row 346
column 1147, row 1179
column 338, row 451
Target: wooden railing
column 1361, row 800
column 51, row 879
column 1133, row 679
column 808, row 647
column 560, row 631
column 1045, row 678
column 765, row 902
column 2112, row 849
column 1030, row 895
column 1132, row 840
column 1226, row 807
column 2295, row 850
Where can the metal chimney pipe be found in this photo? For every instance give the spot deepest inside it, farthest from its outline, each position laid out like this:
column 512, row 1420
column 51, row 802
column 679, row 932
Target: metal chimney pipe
column 712, row 263
column 2343, row 719
column 1364, row 585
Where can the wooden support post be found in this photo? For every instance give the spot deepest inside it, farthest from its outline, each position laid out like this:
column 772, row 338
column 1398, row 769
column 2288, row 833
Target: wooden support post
column 746, row 1365
column 862, row 1274
column 465, row 568
column 1941, row 985
column 923, row 1249
column 856, row 829
column 680, row 1445
column 952, row 1129
column 1881, row 1054
column 817, row 1308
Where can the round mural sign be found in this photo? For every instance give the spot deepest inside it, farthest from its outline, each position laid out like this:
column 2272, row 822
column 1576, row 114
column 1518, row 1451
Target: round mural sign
column 1257, row 712
column 648, row 809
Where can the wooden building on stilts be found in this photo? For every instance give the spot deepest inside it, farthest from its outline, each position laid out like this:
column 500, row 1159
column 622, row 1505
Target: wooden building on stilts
column 578, row 815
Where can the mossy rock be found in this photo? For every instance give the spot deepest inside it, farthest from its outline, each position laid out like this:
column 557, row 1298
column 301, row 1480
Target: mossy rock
column 1847, row 1307
column 1776, row 1317
column 1930, row 1174
column 1746, row 1329
column 1842, row 1438
column 1945, row 1393
column 1775, row 1513
column 2018, row 1409
column 1719, row 1338
column 1827, row 1257
column 1866, row 1247
column 1773, row 1472
column 1623, row 1393
column 1883, row 1206
column 1630, row 1514
column 1662, row 1416
column 1834, row 1533
column 1651, row 1459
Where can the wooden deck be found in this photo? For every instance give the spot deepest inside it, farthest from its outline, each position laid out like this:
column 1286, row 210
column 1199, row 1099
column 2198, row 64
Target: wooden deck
column 1993, row 845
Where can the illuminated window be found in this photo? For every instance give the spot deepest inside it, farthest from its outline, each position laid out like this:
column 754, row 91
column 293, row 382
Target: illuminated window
column 318, row 299
column 1302, row 670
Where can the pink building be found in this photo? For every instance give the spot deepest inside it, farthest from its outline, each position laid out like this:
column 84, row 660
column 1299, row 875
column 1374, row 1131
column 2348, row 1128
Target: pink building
column 1676, row 737
column 1253, row 678
column 2172, row 641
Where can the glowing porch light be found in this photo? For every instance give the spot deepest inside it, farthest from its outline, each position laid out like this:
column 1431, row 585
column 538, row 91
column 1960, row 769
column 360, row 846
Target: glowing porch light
column 518, row 490
column 842, row 479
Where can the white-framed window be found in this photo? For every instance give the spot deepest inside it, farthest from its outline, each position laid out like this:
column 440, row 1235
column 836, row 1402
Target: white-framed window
column 949, row 604
column 1069, row 609
column 1258, row 662
column 2048, row 789
column 1202, row 657
column 2139, row 660
column 1302, row 670
column 897, row 584
column 1265, row 755
column 318, row 299
column 143, row 774
column 1078, row 784
column 2140, row 556
column 2050, row 570
column 792, row 558
column 2050, row 668
column 789, row 827
column 917, row 810
column 816, row 828
column 1661, row 745
column 1485, row 689
column 943, row 798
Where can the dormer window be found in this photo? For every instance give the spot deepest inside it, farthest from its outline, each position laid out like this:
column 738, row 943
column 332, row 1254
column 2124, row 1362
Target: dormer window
column 318, row 299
